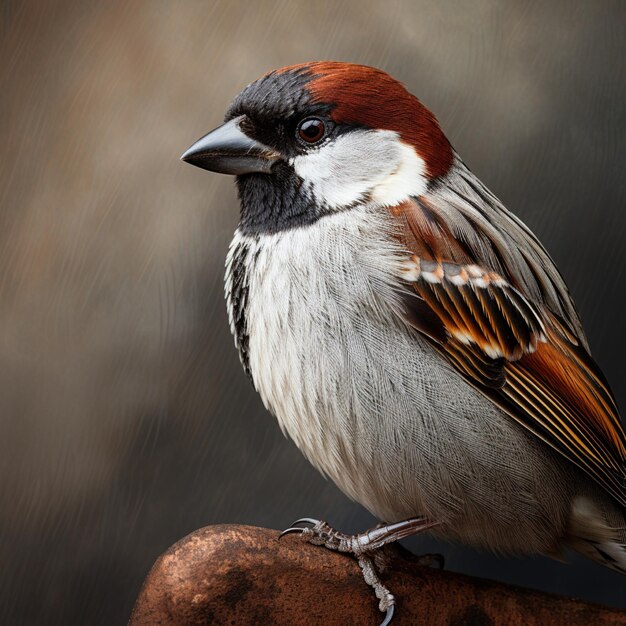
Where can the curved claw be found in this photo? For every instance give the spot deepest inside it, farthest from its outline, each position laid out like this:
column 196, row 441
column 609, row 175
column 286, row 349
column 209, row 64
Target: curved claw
column 295, row 529
column 292, row 529
column 306, row 520
column 388, row 615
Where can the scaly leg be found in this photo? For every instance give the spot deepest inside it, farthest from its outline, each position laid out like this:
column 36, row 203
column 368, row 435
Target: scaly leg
column 366, row 548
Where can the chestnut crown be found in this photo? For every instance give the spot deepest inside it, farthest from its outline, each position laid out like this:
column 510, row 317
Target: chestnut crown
column 312, row 139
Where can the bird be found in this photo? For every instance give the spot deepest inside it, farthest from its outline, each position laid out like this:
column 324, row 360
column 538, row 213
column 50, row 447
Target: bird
column 411, row 335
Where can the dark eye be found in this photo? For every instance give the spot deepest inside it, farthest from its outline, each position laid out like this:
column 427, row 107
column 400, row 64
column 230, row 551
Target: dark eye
column 311, row 130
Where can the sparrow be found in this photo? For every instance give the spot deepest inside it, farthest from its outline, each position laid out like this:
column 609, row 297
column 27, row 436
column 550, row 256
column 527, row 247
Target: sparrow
column 410, row 334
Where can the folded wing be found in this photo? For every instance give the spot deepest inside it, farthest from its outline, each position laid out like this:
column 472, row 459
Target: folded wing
column 525, row 357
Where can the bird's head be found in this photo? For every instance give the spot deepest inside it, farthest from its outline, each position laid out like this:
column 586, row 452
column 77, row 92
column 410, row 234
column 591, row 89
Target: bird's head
column 312, row 139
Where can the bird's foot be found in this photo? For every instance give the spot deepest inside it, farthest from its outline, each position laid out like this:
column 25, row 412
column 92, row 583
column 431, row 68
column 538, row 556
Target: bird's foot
column 366, row 547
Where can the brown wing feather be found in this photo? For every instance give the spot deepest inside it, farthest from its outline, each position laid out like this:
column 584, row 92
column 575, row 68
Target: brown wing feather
column 524, row 357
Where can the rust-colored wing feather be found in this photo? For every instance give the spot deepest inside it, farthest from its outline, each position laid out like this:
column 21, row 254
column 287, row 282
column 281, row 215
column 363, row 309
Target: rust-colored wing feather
column 524, row 356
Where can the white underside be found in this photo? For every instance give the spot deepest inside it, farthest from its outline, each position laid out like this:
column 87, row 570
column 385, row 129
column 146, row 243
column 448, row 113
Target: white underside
column 375, row 408
column 373, row 164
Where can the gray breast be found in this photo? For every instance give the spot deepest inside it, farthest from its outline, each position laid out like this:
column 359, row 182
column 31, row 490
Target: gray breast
column 367, row 400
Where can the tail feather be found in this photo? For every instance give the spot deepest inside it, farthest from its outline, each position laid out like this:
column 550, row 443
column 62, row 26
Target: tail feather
column 608, row 553
column 599, row 533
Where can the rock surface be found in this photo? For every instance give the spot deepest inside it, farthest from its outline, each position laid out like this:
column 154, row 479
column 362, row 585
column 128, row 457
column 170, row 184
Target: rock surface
column 243, row 575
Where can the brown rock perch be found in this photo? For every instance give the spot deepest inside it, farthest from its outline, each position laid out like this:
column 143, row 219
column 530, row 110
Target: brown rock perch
column 243, row 575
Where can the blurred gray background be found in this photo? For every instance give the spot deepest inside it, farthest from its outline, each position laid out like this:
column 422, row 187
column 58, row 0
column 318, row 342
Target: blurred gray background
column 126, row 420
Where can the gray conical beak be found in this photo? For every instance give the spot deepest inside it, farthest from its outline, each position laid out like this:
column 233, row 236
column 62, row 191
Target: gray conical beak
column 228, row 150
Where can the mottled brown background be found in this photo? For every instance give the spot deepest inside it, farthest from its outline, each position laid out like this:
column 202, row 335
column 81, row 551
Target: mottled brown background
column 126, row 421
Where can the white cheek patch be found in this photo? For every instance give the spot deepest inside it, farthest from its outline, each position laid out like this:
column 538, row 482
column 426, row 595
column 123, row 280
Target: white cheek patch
column 408, row 179
column 373, row 164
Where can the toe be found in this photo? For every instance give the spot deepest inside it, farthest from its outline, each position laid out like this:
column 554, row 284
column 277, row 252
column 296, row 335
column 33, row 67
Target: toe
column 388, row 615
column 307, row 520
column 295, row 528
column 289, row 531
